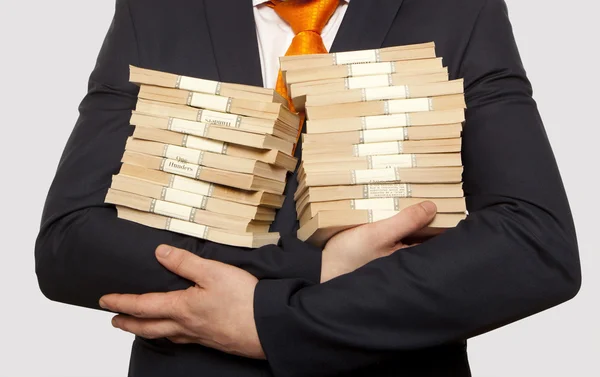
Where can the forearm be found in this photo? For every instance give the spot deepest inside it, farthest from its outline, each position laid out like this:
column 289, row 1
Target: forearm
column 83, row 250
column 90, row 252
column 515, row 255
column 467, row 281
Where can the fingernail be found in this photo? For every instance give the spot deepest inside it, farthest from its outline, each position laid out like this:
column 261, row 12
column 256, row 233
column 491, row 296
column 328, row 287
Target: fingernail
column 429, row 207
column 163, row 251
column 114, row 322
column 102, row 304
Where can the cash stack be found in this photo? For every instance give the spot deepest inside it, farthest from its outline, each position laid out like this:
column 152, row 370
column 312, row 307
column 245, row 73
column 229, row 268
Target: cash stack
column 383, row 132
column 206, row 159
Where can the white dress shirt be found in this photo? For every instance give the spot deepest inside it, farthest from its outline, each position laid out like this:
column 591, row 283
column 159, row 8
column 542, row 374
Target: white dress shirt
column 275, row 36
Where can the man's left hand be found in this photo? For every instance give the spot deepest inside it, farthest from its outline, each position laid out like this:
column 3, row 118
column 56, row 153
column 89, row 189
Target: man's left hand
column 217, row 312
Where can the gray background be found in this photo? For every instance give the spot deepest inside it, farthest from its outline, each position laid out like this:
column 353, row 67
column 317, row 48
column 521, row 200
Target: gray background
column 48, row 49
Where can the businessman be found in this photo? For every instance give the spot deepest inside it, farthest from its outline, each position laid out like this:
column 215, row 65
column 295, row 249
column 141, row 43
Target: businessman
column 365, row 305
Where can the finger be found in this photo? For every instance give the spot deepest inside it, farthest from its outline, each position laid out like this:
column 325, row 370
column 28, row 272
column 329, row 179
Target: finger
column 148, row 328
column 419, row 237
column 150, row 305
column 407, row 222
column 182, row 263
column 180, row 339
column 188, row 265
column 183, row 339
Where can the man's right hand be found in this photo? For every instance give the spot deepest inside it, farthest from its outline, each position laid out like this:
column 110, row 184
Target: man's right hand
column 353, row 248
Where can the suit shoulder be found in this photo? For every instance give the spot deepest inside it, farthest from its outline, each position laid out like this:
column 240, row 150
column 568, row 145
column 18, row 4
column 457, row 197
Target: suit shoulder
column 462, row 9
column 146, row 13
column 157, row 5
column 469, row 5
column 480, row 4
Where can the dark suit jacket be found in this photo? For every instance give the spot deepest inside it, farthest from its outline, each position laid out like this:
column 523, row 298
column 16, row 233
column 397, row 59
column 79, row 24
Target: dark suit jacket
column 405, row 315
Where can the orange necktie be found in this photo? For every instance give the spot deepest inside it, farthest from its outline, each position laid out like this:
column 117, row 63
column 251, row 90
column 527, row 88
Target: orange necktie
column 307, row 19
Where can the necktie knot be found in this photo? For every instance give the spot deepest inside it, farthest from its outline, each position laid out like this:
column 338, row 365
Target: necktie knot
column 305, row 15
column 307, row 18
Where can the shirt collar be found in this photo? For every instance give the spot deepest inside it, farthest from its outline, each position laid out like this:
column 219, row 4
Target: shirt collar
column 259, row 2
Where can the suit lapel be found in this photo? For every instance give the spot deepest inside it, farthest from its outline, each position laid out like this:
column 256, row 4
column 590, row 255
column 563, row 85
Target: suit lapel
column 235, row 47
column 233, row 35
column 365, row 25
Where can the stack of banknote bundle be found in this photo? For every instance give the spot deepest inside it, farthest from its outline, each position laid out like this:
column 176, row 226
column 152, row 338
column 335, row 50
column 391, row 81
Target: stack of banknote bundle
column 206, row 159
column 383, row 132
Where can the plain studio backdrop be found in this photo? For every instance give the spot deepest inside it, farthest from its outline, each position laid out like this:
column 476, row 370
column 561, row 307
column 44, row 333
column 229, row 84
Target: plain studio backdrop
column 48, row 50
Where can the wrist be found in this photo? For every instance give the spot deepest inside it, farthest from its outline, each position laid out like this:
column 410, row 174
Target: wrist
column 331, row 266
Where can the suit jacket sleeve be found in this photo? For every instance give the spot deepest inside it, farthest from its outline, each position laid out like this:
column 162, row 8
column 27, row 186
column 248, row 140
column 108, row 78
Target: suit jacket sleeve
column 83, row 250
column 515, row 255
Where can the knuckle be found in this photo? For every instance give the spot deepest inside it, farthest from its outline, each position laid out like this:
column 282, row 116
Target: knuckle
column 177, row 340
column 179, row 262
column 179, row 309
column 147, row 333
column 139, row 313
column 139, row 310
column 415, row 215
column 415, row 212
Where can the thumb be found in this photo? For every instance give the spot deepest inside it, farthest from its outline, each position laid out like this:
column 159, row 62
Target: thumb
column 405, row 223
column 185, row 264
